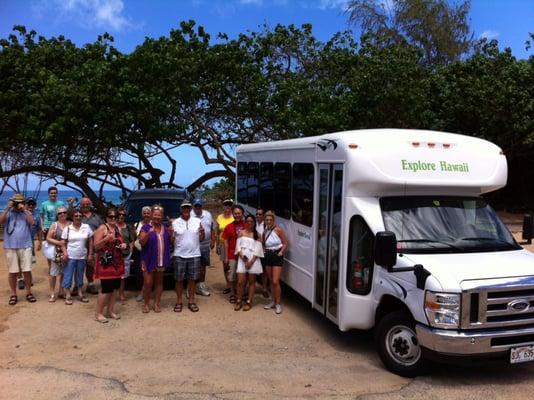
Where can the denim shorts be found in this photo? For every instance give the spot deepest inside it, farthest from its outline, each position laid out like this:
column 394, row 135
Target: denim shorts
column 272, row 259
column 205, row 256
column 186, row 268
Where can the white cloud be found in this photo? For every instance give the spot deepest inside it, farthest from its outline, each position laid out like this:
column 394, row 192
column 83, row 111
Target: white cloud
column 327, row 4
column 106, row 14
column 489, row 34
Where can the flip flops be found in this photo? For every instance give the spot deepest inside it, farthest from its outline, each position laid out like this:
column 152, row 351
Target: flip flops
column 193, row 307
column 233, row 299
column 177, row 307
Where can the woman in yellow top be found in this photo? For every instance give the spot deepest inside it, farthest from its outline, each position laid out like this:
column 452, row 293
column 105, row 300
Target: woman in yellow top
column 222, row 220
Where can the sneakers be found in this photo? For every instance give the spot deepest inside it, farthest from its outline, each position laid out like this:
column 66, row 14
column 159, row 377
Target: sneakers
column 202, row 289
column 21, row 284
column 278, row 309
column 269, row 306
column 139, row 297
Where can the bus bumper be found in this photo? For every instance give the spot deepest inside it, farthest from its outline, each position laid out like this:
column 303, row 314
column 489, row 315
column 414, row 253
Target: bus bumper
column 473, row 342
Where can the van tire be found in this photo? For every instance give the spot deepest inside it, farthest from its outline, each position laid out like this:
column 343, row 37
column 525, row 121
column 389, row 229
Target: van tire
column 398, row 347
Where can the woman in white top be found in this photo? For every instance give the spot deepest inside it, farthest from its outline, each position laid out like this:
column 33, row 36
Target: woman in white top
column 275, row 244
column 79, row 248
column 249, row 250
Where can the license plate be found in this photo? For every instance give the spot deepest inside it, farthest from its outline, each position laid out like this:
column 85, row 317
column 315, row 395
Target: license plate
column 521, row 354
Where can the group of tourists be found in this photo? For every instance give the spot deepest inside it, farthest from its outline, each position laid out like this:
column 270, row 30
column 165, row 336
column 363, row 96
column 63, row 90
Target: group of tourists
column 78, row 243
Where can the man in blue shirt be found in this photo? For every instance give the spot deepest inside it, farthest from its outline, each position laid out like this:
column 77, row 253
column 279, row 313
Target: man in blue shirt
column 17, row 221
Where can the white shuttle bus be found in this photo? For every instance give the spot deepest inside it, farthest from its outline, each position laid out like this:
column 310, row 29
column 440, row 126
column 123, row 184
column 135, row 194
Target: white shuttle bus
column 388, row 230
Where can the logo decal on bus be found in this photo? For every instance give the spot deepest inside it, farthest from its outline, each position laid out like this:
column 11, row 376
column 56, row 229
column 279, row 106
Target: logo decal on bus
column 325, row 144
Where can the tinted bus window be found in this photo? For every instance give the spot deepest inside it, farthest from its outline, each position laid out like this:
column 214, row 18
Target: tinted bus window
column 302, row 210
column 242, row 194
column 282, row 188
column 266, row 199
column 252, row 183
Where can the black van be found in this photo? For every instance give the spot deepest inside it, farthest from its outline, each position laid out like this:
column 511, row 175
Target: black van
column 169, row 199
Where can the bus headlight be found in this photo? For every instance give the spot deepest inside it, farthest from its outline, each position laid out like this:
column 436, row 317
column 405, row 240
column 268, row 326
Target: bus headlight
column 442, row 309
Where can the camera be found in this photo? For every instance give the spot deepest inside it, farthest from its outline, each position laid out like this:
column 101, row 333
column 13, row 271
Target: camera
column 18, row 206
column 106, row 258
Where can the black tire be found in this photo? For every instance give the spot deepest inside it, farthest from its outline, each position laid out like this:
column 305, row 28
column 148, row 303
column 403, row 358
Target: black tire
column 398, row 347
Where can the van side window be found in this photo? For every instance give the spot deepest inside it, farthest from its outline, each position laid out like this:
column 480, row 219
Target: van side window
column 242, row 192
column 252, row 183
column 302, row 210
column 360, row 257
column 282, row 188
column 266, row 186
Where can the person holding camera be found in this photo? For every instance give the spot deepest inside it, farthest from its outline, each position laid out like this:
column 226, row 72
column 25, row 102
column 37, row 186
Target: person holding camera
column 18, row 245
column 249, row 250
column 79, row 247
column 109, row 267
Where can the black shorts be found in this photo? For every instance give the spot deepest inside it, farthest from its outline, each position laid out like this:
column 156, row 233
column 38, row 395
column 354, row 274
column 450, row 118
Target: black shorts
column 272, row 259
column 109, row 285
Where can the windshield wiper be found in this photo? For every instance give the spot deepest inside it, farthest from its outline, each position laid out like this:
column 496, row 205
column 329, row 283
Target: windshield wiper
column 428, row 241
column 485, row 239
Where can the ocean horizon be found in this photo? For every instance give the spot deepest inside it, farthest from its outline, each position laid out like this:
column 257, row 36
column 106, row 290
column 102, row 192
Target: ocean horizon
column 111, row 196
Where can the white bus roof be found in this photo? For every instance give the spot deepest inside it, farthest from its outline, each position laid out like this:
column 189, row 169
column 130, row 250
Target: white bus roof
column 396, row 161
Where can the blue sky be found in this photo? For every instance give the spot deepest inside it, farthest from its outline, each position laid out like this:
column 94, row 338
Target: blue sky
column 130, row 21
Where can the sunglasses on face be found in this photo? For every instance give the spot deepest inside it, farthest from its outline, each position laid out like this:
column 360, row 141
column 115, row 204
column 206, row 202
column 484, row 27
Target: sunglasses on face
column 77, row 215
column 61, row 212
column 122, row 214
column 112, row 216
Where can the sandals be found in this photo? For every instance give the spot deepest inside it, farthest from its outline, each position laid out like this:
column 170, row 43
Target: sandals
column 157, row 308
column 233, row 299
column 177, row 307
column 226, row 291
column 238, row 306
column 52, row 299
column 68, row 301
column 247, row 306
column 115, row 316
column 84, row 299
column 31, row 298
column 102, row 320
column 13, row 300
column 146, row 309
column 193, row 307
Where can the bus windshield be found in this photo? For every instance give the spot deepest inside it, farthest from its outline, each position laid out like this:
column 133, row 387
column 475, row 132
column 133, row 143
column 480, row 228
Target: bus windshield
column 424, row 224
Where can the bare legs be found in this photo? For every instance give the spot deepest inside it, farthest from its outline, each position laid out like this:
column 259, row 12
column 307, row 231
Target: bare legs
column 150, row 279
column 106, row 299
column 274, row 276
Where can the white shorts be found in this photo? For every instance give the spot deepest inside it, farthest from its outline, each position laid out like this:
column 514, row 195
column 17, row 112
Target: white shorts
column 55, row 269
column 19, row 260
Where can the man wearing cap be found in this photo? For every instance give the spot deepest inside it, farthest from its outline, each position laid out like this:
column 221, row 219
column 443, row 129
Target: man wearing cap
column 188, row 234
column 206, row 245
column 222, row 220
column 17, row 221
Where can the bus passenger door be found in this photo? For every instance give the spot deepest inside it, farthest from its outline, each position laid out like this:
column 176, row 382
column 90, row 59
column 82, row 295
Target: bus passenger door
column 328, row 240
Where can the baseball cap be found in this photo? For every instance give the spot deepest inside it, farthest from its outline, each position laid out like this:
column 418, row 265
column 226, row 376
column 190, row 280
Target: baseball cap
column 186, row 203
column 228, row 202
column 31, row 200
column 197, row 202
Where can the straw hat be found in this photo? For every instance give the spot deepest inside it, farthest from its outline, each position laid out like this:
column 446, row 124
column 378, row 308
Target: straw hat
column 17, row 198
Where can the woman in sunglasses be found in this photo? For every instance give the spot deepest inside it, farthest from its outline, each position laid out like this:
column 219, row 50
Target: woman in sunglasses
column 79, row 247
column 57, row 263
column 109, row 265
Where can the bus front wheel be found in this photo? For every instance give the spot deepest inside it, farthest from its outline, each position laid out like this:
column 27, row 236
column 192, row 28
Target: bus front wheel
column 398, row 346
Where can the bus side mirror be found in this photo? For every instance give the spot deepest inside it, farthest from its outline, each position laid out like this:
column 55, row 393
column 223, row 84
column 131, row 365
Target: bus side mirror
column 386, row 249
column 528, row 225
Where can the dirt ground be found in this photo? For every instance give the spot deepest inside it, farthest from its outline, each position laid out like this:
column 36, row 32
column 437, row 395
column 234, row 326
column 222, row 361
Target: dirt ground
column 58, row 351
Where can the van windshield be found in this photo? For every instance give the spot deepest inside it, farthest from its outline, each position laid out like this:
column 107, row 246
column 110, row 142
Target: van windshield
column 426, row 224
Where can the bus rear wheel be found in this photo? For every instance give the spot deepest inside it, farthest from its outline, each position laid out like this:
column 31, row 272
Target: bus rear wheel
column 398, row 346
